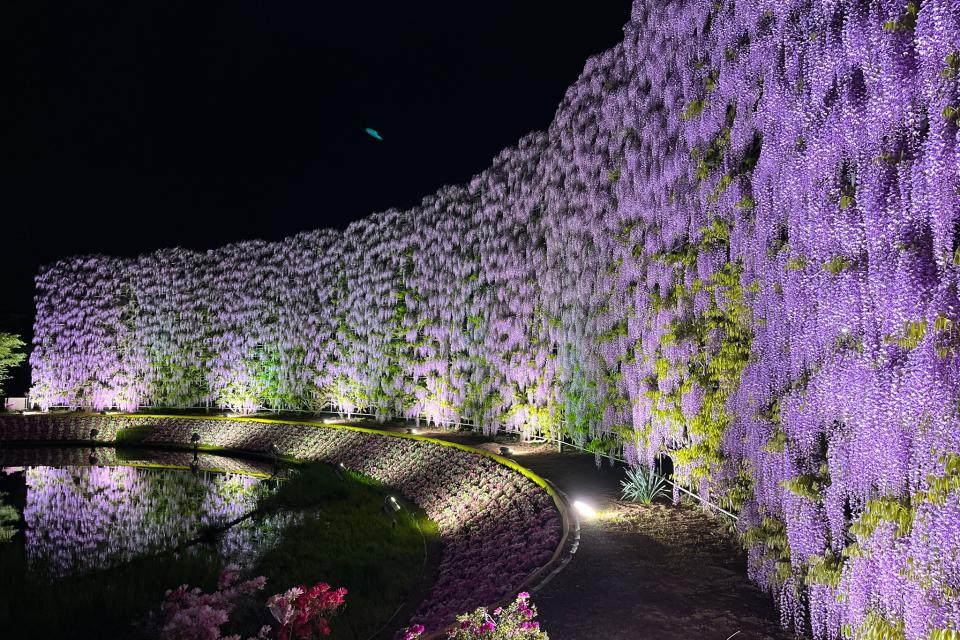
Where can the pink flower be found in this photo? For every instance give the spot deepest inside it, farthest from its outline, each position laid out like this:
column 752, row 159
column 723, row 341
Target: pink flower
column 227, row 577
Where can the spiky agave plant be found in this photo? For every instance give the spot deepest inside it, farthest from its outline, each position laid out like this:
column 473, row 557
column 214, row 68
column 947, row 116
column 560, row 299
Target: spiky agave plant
column 644, row 485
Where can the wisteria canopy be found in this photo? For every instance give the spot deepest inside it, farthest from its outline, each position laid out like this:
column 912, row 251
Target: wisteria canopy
column 738, row 242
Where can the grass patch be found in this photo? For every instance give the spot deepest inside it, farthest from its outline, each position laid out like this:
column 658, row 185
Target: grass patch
column 347, row 540
column 134, row 435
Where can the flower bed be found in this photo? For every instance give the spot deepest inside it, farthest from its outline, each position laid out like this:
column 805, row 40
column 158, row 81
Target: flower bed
column 498, row 526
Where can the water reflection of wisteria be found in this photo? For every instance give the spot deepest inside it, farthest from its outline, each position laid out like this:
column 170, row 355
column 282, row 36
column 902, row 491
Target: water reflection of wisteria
column 83, row 518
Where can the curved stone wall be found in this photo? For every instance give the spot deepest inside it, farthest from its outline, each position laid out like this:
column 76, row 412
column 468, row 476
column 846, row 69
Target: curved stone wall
column 499, row 525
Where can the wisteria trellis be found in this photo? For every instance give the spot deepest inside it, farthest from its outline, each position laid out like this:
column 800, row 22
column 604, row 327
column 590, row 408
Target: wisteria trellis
column 738, row 242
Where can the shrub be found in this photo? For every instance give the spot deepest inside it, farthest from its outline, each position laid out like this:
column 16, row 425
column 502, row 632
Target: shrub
column 301, row 612
column 191, row 614
column 644, row 485
column 514, row 622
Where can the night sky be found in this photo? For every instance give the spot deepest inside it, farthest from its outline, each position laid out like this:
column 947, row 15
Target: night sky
column 130, row 126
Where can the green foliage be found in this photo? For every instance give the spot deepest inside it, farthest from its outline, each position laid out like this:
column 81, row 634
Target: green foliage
column 771, row 413
column 715, row 236
column 8, row 516
column 946, row 337
column 710, row 82
column 772, row 536
column 798, row 263
column 740, row 490
column 837, row 264
column 884, row 509
column 942, row 324
column 847, row 341
column 951, row 113
column 779, row 242
column 616, row 331
column 717, row 373
column 913, row 333
column 826, row 570
column 133, row 435
column 604, row 444
column 347, row 539
column 712, row 157
column 777, row 442
column 693, row 109
column 514, row 622
column 876, row 627
column 10, row 355
column 751, row 155
column 952, row 62
column 940, row 486
column 804, row 486
column 907, row 20
column 809, row 485
column 581, row 406
column 644, row 485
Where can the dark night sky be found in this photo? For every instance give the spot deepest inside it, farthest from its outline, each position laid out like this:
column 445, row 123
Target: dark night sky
column 130, row 126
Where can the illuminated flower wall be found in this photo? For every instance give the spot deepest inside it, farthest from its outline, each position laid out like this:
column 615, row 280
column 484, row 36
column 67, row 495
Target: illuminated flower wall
column 737, row 242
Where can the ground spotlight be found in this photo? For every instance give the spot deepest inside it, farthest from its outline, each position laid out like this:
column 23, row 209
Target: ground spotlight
column 390, row 505
column 412, row 430
column 506, row 451
column 585, row 509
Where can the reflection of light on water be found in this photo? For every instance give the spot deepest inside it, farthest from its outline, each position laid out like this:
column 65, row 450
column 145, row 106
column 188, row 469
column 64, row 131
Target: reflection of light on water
column 84, row 518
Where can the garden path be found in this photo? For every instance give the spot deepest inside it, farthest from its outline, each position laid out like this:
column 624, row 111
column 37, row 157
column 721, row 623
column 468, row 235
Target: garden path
column 660, row 571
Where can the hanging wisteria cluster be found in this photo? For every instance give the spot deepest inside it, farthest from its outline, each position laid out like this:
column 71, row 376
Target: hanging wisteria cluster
column 738, row 243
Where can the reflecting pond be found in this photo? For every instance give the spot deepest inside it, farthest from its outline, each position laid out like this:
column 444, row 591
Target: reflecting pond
column 104, row 542
column 91, row 539
column 78, row 519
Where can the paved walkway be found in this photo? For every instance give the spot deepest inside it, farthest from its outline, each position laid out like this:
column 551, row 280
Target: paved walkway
column 659, row 572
